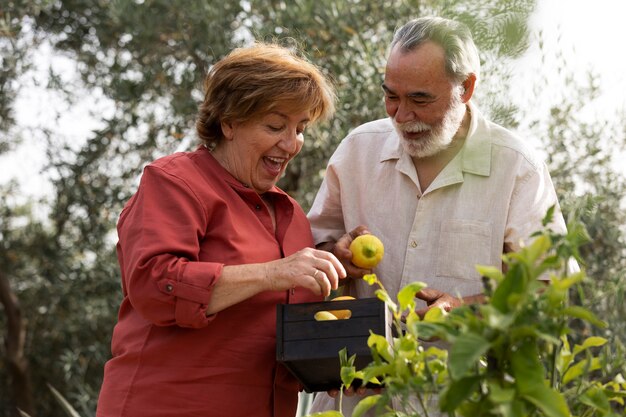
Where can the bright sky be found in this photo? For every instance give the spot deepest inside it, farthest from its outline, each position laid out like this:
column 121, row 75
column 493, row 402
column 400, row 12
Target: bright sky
column 589, row 33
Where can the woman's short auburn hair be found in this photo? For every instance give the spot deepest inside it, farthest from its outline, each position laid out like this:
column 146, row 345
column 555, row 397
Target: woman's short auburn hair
column 251, row 82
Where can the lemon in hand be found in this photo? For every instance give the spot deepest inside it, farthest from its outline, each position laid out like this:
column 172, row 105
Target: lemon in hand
column 367, row 251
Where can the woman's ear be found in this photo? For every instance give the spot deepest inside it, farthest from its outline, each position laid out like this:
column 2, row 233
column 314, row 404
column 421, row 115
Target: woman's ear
column 227, row 129
column 468, row 88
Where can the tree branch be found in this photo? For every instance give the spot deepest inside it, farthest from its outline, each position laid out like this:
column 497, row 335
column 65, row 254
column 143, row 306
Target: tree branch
column 14, row 344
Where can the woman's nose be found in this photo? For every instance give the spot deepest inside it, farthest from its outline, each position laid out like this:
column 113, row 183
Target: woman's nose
column 289, row 142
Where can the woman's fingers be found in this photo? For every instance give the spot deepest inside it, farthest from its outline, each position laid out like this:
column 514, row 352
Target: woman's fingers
column 316, row 270
column 330, row 271
column 335, row 268
column 323, row 282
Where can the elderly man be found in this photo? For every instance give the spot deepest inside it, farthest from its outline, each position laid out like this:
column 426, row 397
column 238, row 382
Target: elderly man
column 441, row 186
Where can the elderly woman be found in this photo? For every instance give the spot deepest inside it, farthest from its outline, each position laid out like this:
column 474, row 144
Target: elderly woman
column 208, row 246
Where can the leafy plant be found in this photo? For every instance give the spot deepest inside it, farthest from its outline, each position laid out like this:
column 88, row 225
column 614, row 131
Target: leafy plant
column 510, row 356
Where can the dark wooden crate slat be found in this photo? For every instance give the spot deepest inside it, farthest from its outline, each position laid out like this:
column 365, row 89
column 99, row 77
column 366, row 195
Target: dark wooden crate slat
column 310, row 348
column 324, row 348
column 325, row 371
column 359, row 326
column 365, row 307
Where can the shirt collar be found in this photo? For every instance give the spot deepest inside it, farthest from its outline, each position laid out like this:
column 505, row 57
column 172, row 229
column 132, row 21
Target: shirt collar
column 476, row 152
column 219, row 171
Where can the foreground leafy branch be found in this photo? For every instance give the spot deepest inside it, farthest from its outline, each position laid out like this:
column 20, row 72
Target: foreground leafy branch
column 509, row 357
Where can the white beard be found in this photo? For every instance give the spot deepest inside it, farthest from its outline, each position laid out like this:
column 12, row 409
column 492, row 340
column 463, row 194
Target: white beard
column 440, row 136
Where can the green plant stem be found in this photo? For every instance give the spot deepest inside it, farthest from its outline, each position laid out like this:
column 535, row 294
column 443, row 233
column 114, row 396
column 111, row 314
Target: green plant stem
column 555, row 355
column 588, row 413
column 419, row 397
column 341, row 399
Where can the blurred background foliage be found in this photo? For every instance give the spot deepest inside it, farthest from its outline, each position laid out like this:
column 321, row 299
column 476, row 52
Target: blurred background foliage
column 148, row 58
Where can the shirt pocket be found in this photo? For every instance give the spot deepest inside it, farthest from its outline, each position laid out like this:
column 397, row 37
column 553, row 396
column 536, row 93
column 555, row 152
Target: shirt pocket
column 463, row 244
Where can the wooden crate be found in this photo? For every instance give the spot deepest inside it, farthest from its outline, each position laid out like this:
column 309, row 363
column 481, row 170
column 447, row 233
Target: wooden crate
column 310, row 348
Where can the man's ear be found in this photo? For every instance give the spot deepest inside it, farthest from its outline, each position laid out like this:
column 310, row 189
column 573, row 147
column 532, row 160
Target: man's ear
column 227, row 129
column 468, row 88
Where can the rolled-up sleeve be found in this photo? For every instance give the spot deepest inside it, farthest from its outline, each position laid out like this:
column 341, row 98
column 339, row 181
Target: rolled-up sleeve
column 160, row 232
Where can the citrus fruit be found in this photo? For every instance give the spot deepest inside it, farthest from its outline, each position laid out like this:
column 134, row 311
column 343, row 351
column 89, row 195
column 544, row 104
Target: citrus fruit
column 341, row 314
column 367, row 251
column 324, row 315
column 343, row 297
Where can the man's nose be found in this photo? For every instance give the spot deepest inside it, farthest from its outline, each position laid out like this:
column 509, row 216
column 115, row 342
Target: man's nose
column 404, row 114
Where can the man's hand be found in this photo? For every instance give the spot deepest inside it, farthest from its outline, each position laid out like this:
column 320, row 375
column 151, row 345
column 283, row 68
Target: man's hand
column 350, row 392
column 341, row 250
column 436, row 298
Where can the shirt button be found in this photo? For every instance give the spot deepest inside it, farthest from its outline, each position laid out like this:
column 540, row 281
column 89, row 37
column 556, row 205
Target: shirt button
column 257, row 207
column 169, row 288
column 413, row 244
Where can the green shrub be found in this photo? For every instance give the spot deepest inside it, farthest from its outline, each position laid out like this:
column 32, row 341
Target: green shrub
column 510, row 356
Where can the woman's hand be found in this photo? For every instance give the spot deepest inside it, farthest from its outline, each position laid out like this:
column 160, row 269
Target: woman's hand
column 316, row 270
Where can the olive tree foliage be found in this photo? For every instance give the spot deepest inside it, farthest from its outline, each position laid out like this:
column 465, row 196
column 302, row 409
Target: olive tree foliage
column 349, row 39
column 148, row 58
column 582, row 150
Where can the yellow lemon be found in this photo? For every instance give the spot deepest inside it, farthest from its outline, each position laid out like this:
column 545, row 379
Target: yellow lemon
column 341, row 314
column 324, row 315
column 343, row 297
column 367, row 251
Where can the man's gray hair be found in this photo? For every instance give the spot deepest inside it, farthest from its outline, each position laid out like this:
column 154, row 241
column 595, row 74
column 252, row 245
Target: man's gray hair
column 454, row 37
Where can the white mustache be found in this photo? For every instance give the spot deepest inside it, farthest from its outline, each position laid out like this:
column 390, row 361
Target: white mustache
column 414, row 126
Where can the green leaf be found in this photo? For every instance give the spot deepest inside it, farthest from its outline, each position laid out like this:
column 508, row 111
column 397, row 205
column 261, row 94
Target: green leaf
column 513, row 283
column 537, row 248
column 550, row 402
column 566, row 283
column 435, row 315
column 584, row 314
column 564, row 360
column 407, row 347
column 365, row 404
column 490, row 272
column 495, row 318
column 380, row 345
column 580, row 368
column 514, row 408
column 348, row 373
column 613, row 392
column 526, row 368
column 384, row 296
column 465, row 352
column 549, row 215
column 429, row 330
column 499, row 394
column 593, row 341
column 594, row 397
column 372, row 372
column 343, row 358
column 412, row 321
column 371, row 279
column 406, row 296
column 457, row 392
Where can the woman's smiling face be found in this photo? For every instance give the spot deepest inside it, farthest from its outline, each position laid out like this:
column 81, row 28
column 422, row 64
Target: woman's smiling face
column 257, row 152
